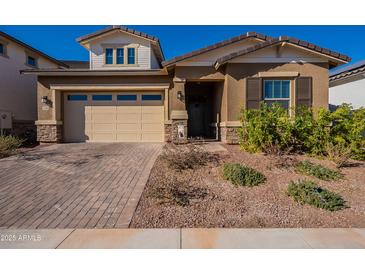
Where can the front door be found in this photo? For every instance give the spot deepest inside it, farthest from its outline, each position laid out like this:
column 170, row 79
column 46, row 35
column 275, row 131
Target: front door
column 197, row 118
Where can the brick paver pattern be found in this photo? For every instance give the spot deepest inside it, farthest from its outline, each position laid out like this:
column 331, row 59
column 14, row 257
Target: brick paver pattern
column 88, row 185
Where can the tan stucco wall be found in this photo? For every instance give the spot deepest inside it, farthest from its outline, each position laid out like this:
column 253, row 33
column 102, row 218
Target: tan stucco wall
column 230, row 85
column 18, row 93
column 44, row 83
column 236, row 75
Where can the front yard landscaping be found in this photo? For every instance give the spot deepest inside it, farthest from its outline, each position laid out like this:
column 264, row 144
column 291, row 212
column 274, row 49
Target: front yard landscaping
column 9, row 145
column 199, row 196
column 298, row 168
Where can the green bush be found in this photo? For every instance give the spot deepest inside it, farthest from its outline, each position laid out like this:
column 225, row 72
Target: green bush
column 305, row 131
column 242, row 175
column 307, row 192
column 319, row 171
column 265, row 127
column 8, row 144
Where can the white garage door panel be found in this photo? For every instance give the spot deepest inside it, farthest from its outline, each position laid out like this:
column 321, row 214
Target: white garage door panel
column 114, row 121
column 103, row 137
column 134, row 127
column 129, row 117
column 151, row 137
column 128, row 137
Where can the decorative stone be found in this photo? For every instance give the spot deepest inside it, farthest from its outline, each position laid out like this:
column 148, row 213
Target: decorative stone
column 176, row 139
column 49, row 133
column 229, row 135
column 168, row 132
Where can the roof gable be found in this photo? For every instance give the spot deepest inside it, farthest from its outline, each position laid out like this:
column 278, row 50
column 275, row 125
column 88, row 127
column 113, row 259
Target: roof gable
column 253, row 35
column 337, row 58
column 155, row 43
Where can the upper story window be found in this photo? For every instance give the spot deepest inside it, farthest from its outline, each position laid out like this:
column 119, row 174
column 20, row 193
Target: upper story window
column 131, row 56
column 31, row 61
column 120, row 56
column 109, row 56
column 3, row 49
column 277, row 91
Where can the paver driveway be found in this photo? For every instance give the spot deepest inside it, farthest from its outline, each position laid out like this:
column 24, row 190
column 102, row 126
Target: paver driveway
column 74, row 185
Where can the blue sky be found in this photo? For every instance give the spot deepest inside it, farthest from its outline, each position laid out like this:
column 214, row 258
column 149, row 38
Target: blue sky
column 59, row 41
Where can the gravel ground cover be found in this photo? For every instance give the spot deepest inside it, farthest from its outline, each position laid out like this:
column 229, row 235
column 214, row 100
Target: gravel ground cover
column 200, row 197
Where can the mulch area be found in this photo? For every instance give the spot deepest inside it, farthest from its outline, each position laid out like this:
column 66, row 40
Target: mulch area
column 205, row 199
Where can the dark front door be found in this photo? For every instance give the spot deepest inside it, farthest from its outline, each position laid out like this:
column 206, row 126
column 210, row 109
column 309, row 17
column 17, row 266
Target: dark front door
column 197, row 118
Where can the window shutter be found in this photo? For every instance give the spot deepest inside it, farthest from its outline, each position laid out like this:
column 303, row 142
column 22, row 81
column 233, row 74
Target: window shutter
column 303, row 91
column 253, row 92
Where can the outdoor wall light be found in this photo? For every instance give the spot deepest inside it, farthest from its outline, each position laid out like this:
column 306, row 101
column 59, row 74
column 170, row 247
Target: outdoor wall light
column 44, row 99
column 179, row 95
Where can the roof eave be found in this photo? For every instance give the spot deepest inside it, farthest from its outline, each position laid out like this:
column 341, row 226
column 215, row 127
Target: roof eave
column 85, row 72
column 331, row 55
column 249, row 35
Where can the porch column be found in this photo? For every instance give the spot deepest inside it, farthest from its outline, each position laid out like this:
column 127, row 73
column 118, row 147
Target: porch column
column 49, row 123
column 179, row 115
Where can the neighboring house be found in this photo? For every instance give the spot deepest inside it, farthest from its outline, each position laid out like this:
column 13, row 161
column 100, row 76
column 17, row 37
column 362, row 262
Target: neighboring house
column 18, row 93
column 347, row 85
column 129, row 93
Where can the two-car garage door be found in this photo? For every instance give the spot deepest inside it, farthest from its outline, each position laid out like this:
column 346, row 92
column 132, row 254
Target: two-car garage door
column 114, row 117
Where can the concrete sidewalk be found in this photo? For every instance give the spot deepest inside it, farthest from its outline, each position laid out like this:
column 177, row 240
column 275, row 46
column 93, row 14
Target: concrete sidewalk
column 183, row 238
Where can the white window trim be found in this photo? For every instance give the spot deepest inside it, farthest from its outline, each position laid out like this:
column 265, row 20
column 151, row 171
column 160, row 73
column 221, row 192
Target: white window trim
column 125, row 48
column 278, row 99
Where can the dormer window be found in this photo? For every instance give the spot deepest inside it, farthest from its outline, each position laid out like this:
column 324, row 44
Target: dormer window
column 120, row 56
column 109, row 56
column 131, row 56
column 117, row 55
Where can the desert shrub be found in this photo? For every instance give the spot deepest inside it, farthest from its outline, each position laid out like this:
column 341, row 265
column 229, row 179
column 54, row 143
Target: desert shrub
column 348, row 129
column 9, row 144
column 185, row 156
column 307, row 192
column 242, row 175
column 305, row 131
column 177, row 192
column 263, row 128
column 339, row 153
column 318, row 171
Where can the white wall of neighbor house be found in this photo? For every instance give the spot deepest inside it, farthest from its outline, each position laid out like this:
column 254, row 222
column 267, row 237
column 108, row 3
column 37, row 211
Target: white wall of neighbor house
column 145, row 56
column 18, row 93
column 351, row 92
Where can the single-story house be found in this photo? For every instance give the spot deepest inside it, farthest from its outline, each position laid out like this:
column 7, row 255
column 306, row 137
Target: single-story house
column 18, row 93
column 130, row 93
column 347, row 85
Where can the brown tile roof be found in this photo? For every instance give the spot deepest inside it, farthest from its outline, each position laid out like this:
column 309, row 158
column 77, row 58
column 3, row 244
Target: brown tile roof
column 155, row 41
column 76, row 64
column 345, row 72
column 112, row 28
column 217, row 45
column 11, row 38
column 280, row 40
